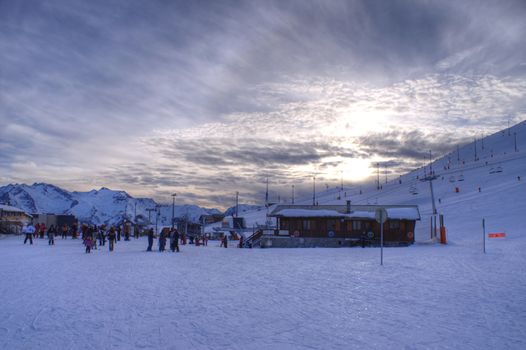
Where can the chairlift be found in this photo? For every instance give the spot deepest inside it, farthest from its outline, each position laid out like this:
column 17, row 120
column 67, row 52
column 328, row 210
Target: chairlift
column 461, row 177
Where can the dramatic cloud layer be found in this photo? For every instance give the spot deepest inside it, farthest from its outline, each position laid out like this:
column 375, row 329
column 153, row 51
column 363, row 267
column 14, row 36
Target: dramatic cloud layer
column 206, row 98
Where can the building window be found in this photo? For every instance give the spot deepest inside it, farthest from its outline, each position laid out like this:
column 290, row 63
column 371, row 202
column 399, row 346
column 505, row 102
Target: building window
column 306, row 225
column 394, row 224
column 356, row 225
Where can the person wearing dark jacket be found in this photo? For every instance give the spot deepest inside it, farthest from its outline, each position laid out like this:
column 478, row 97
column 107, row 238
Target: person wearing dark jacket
column 65, row 231
column 111, row 238
column 118, row 233
column 151, row 236
column 225, row 241
column 51, row 232
column 74, row 230
column 102, row 236
column 174, row 240
column 162, row 240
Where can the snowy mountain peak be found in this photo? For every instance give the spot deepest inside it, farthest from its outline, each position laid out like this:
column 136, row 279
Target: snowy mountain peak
column 95, row 206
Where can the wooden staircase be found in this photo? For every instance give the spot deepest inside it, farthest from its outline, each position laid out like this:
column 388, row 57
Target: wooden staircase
column 253, row 239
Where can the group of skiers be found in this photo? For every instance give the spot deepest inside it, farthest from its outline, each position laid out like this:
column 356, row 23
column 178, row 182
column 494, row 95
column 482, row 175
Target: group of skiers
column 93, row 234
column 39, row 231
column 175, row 237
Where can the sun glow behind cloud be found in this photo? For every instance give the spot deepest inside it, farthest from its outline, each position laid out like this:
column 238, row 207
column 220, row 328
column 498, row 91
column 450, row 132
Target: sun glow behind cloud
column 209, row 99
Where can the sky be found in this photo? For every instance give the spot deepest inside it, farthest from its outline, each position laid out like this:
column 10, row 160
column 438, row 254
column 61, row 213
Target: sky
column 206, row 98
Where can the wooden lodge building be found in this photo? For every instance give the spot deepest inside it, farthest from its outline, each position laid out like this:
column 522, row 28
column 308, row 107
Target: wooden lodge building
column 12, row 219
column 343, row 225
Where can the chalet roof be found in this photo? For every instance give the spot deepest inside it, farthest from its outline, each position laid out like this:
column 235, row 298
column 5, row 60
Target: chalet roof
column 400, row 212
column 9, row 208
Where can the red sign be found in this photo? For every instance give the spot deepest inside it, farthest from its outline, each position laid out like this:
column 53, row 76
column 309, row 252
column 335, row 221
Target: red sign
column 496, row 235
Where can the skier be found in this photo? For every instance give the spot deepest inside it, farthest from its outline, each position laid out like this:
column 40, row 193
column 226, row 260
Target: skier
column 65, row 231
column 162, row 240
column 28, row 230
column 151, row 236
column 37, row 230
column 119, row 233
column 111, row 238
column 42, row 230
column 88, row 241
column 84, row 230
column 225, row 241
column 174, row 240
column 136, row 231
column 363, row 239
column 94, row 231
column 102, row 237
column 51, row 235
column 74, row 230
column 127, row 230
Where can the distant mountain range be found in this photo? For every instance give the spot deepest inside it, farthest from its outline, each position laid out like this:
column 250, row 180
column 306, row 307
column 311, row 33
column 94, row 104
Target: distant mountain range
column 96, row 206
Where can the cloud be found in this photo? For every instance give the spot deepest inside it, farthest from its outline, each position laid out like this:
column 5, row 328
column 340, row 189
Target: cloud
column 214, row 97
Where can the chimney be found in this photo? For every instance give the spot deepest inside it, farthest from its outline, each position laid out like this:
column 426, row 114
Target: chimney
column 348, row 209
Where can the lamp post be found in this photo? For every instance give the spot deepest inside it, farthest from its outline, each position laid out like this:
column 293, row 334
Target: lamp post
column 157, row 212
column 149, row 210
column 314, row 190
column 173, row 209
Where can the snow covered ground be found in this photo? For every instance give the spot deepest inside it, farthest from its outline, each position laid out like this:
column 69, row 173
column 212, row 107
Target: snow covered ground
column 424, row 297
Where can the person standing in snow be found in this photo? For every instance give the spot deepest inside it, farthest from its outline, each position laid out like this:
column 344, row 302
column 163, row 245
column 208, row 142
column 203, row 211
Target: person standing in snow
column 88, row 241
column 65, row 231
column 111, row 238
column 127, row 231
column 241, row 240
column 174, row 240
column 29, row 231
column 51, row 232
column 119, row 233
column 42, row 230
column 162, row 240
column 37, row 230
column 102, row 237
column 151, row 236
column 93, row 234
column 136, row 231
column 225, row 241
column 84, row 231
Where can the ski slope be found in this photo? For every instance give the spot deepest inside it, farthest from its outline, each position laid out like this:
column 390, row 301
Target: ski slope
column 426, row 296
column 501, row 200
